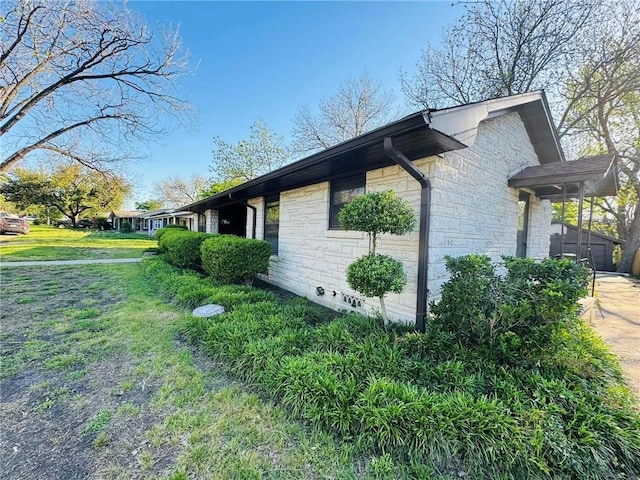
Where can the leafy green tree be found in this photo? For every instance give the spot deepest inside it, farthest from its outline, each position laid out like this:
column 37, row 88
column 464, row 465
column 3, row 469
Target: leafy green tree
column 149, row 205
column 215, row 188
column 71, row 189
column 261, row 153
column 376, row 275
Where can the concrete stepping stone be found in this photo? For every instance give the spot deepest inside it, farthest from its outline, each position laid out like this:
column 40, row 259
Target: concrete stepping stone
column 207, row 311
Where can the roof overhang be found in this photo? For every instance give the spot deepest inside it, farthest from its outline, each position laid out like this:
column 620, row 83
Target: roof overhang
column 412, row 135
column 462, row 122
column 419, row 135
column 598, row 174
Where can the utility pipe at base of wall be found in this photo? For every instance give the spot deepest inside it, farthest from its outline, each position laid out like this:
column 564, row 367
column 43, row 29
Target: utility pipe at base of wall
column 423, row 238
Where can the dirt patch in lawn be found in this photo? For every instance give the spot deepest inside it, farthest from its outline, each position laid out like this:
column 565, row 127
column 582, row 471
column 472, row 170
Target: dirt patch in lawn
column 96, row 382
column 71, row 404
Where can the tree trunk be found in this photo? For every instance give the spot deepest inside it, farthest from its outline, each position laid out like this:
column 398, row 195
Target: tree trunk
column 632, row 245
column 383, row 310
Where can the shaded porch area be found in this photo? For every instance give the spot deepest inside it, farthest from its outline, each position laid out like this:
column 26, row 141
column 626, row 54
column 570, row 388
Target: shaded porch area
column 581, row 179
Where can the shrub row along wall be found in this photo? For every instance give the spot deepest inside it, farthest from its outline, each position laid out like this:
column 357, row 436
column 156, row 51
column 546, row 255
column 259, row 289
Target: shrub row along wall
column 226, row 258
column 231, row 259
column 438, row 405
column 182, row 247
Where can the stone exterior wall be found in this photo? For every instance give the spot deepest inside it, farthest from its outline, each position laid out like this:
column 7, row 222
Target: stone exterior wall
column 310, row 255
column 212, row 221
column 473, row 211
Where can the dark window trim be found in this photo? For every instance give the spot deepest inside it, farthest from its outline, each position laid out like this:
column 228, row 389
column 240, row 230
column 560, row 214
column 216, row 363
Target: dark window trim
column 360, row 178
column 274, row 241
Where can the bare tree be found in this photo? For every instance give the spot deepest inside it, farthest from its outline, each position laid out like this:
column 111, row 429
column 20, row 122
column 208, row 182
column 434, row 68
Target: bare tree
column 584, row 54
column 178, row 191
column 83, row 80
column 358, row 106
column 500, row 48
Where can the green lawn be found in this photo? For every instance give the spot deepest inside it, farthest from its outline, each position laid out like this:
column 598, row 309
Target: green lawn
column 95, row 374
column 50, row 243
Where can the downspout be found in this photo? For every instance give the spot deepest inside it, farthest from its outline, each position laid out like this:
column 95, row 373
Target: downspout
column 253, row 217
column 423, row 238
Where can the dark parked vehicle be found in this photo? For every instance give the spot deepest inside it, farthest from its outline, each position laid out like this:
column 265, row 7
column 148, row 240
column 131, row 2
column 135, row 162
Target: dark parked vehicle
column 86, row 224
column 11, row 224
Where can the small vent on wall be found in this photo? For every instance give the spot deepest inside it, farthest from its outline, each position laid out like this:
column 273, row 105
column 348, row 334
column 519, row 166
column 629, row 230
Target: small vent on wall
column 352, row 300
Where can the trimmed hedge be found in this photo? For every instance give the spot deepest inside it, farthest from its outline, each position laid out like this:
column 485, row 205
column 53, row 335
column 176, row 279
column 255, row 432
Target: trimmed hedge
column 182, row 247
column 231, row 259
column 169, row 228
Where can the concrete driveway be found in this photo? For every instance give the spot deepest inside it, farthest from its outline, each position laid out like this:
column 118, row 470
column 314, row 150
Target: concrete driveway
column 618, row 321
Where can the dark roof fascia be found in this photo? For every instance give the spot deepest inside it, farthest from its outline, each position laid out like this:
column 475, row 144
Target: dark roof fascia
column 532, row 107
column 535, row 134
column 599, row 174
column 411, row 122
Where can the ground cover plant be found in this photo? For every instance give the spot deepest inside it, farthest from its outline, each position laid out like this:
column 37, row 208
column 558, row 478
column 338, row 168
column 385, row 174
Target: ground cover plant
column 50, row 243
column 97, row 383
column 530, row 392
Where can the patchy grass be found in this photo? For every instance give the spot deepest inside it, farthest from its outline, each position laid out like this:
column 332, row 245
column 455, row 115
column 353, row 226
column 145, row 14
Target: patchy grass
column 50, row 243
column 96, row 383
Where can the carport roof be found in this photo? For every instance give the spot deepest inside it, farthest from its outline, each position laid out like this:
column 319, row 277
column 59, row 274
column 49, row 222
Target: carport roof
column 599, row 175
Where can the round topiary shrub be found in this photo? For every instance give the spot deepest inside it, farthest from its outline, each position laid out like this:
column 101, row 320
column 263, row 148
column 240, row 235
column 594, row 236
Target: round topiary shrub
column 375, row 213
column 377, row 275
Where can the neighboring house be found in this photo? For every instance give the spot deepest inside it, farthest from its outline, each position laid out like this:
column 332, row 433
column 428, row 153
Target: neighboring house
column 566, row 241
column 155, row 219
column 149, row 221
column 118, row 217
column 455, row 167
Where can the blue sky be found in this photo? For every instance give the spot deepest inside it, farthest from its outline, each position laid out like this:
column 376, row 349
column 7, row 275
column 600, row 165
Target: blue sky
column 265, row 59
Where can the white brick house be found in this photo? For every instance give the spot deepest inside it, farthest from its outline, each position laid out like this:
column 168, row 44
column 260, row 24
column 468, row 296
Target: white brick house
column 452, row 165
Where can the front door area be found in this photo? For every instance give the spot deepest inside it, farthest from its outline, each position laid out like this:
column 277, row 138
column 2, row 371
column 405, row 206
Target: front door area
column 232, row 220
